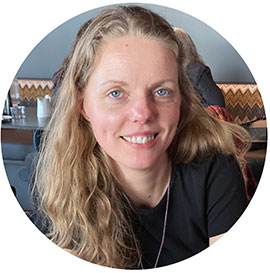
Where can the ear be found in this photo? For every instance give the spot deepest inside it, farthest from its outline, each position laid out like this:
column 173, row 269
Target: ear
column 82, row 108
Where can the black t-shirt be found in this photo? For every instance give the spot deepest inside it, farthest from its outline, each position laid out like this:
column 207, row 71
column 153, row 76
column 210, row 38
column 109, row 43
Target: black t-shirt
column 207, row 196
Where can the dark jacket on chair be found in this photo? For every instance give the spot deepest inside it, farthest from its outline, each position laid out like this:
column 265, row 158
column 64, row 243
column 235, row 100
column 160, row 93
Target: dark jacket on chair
column 202, row 79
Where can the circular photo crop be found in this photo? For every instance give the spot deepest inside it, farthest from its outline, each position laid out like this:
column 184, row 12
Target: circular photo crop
column 134, row 136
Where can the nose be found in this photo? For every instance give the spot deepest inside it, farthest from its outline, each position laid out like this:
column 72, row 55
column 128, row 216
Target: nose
column 142, row 110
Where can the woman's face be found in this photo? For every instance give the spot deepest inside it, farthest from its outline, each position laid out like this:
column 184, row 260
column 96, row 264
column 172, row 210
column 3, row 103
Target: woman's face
column 132, row 101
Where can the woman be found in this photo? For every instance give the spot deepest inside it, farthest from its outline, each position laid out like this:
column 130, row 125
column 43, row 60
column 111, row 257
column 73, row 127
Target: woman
column 132, row 171
column 199, row 73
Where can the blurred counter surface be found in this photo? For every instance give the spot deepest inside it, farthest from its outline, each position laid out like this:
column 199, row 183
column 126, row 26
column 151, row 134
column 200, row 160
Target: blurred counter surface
column 30, row 122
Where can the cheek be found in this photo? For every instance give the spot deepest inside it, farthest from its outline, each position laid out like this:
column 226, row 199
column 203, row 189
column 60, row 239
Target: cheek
column 173, row 116
column 104, row 123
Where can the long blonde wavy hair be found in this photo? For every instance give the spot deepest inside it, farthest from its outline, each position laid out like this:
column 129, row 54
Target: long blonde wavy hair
column 75, row 184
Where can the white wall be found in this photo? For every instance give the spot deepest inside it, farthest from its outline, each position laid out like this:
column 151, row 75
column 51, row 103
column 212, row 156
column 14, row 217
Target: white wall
column 226, row 64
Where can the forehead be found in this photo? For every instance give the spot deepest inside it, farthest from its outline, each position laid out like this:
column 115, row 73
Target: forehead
column 135, row 55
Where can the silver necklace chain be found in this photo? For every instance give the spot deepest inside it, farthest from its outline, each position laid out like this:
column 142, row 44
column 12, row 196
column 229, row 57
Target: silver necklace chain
column 164, row 226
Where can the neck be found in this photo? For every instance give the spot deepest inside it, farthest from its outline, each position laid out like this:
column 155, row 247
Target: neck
column 145, row 188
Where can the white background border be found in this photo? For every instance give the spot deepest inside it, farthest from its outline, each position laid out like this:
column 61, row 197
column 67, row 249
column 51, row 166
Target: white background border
column 244, row 25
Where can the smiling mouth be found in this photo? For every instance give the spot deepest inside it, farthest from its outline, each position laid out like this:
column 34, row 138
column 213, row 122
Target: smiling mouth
column 140, row 139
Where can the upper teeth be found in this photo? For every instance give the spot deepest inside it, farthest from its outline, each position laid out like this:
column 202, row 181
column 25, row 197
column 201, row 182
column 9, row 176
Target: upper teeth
column 139, row 139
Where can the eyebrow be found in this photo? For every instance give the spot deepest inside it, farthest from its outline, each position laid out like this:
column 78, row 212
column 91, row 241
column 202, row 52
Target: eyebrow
column 114, row 82
column 154, row 85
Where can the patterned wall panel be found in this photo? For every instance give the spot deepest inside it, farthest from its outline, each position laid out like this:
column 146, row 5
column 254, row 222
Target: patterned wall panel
column 243, row 102
column 30, row 90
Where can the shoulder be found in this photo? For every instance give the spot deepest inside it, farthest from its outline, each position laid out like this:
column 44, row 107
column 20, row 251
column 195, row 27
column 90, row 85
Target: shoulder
column 204, row 161
column 209, row 166
column 217, row 159
column 210, row 179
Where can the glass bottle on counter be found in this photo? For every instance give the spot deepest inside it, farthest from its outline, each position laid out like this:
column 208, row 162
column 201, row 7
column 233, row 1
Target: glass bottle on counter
column 6, row 110
column 15, row 93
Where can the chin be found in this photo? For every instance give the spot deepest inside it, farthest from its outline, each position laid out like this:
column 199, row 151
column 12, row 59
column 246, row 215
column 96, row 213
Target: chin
column 139, row 164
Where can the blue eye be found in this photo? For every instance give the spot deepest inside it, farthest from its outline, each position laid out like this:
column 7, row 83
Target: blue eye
column 116, row 94
column 162, row 92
